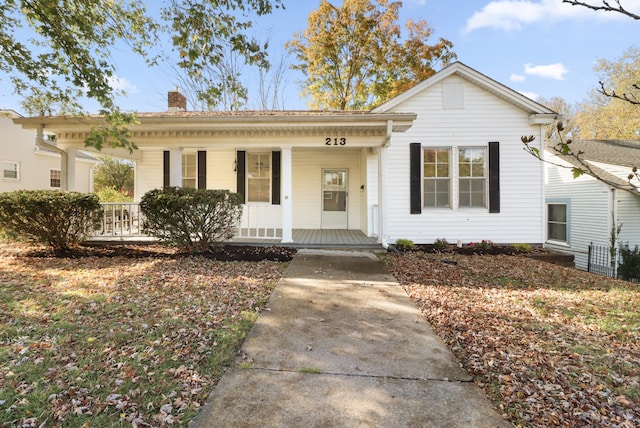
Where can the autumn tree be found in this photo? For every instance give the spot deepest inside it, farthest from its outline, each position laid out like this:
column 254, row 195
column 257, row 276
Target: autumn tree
column 59, row 52
column 568, row 113
column 356, row 56
column 618, row 94
column 607, row 117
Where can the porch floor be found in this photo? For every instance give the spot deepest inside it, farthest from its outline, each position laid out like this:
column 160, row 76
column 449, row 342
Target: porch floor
column 302, row 238
column 317, row 238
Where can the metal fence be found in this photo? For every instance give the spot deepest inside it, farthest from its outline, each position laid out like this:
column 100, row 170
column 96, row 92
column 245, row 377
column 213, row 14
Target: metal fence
column 606, row 261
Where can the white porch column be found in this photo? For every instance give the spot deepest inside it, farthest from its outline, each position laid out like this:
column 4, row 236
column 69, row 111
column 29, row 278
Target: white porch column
column 71, row 170
column 175, row 167
column 286, row 189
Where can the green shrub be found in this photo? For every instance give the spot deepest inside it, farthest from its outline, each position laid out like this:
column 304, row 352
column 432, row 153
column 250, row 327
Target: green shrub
column 629, row 267
column 482, row 246
column 58, row 219
column 522, row 247
column 110, row 194
column 440, row 245
column 196, row 220
column 404, row 244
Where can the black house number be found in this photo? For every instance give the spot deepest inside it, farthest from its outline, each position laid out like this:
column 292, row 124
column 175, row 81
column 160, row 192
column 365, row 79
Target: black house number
column 335, row 141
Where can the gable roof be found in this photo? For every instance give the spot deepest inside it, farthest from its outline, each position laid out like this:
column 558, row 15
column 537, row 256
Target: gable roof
column 541, row 113
column 622, row 153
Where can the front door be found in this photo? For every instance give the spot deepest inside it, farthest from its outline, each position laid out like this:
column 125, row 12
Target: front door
column 334, row 198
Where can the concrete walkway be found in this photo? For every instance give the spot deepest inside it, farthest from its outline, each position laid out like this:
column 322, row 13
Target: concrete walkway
column 342, row 345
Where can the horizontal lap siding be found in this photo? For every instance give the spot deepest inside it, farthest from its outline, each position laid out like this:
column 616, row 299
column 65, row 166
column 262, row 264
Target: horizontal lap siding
column 307, row 185
column 485, row 118
column 590, row 210
column 628, row 209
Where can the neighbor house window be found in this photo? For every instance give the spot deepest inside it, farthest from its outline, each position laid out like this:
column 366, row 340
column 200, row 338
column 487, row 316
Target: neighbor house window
column 436, row 173
column 54, row 178
column 557, row 222
column 258, row 177
column 189, row 170
column 11, row 170
column 472, row 169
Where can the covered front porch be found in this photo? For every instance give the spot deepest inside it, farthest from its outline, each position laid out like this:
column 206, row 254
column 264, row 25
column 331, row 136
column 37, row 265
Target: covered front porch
column 123, row 222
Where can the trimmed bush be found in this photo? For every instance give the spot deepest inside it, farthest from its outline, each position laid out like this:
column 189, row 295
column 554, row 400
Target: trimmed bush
column 58, row 219
column 404, row 244
column 196, row 220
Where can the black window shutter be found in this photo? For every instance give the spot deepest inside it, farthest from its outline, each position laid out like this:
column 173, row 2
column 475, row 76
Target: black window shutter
column 275, row 178
column 240, row 174
column 202, row 169
column 166, row 175
column 415, row 178
column 494, row 177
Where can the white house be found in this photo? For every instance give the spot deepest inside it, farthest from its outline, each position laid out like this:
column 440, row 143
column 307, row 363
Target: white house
column 585, row 210
column 27, row 165
column 443, row 160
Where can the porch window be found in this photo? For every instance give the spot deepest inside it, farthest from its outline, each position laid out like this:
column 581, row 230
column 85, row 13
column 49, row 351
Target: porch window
column 472, row 167
column 557, row 222
column 54, row 178
column 189, row 170
column 259, row 177
column 11, row 170
column 437, row 181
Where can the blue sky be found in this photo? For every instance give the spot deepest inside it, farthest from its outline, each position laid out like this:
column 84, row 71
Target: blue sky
column 538, row 47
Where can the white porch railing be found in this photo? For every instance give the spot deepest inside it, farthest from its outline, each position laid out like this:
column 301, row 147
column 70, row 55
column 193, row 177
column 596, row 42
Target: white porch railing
column 120, row 219
column 124, row 219
column 262, row 221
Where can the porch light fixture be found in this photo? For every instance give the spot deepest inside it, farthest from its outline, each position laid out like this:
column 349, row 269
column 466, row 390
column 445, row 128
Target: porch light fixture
column 235, row 165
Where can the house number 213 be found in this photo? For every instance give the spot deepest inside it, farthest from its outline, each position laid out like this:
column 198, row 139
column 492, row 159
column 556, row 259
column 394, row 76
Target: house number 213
column 335, row 141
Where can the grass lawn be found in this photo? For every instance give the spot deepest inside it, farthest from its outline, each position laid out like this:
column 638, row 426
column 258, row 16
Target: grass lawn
column 120, row 341
column 551, row 346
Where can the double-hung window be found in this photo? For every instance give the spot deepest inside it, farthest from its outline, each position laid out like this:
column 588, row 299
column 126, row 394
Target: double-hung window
column 472, row 170
column 259, row 177
column 11, row 170
column 436, row 176
column 189, row 170
column 55, row 178
column 557, row 222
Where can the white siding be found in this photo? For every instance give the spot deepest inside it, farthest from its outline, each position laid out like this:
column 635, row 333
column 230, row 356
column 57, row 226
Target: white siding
column 628, row 210
column 307, row 185
column 484, row 118
column 18, row 145
column 148, row 173
column 590, row 211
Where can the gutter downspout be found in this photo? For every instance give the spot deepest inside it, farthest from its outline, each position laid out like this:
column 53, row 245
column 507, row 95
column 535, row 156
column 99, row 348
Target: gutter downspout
column 381, row 184
column 63, row 155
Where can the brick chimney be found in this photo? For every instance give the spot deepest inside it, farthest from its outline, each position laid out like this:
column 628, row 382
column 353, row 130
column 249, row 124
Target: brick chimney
column 176, row 101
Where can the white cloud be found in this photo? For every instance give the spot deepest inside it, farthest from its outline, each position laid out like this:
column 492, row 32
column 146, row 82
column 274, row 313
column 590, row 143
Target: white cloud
column 122, row 84
column 517, row 77
column 531, row 95
column 551, row 71
column 515, row 14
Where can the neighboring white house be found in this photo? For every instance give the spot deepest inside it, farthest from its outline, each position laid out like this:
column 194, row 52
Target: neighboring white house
column 27, row 165
column 586, row 210
column 443, row 160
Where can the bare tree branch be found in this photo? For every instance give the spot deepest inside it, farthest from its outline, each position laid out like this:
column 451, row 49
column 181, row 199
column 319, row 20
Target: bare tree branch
column 604, row 6
column 630, row 98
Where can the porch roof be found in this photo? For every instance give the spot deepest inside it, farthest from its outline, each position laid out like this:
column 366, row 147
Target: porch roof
column 197, row 125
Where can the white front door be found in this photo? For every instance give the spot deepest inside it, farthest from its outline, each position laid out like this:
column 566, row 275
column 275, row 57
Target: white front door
column 334, row 199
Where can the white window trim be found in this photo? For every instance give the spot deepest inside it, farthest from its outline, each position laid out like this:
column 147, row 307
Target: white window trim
column 451, row 176
column 18, row 170
column 567, row 204
column 485, row 208
column 247, row 179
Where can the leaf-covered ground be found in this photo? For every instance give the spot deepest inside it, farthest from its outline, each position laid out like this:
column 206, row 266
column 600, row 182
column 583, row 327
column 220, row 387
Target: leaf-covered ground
column 120, row 341
column 551, row 346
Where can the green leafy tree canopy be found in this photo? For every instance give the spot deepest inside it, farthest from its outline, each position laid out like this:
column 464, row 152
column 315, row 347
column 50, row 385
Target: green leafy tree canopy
column 115, row 174
column 54, row 53
column 356, row 56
